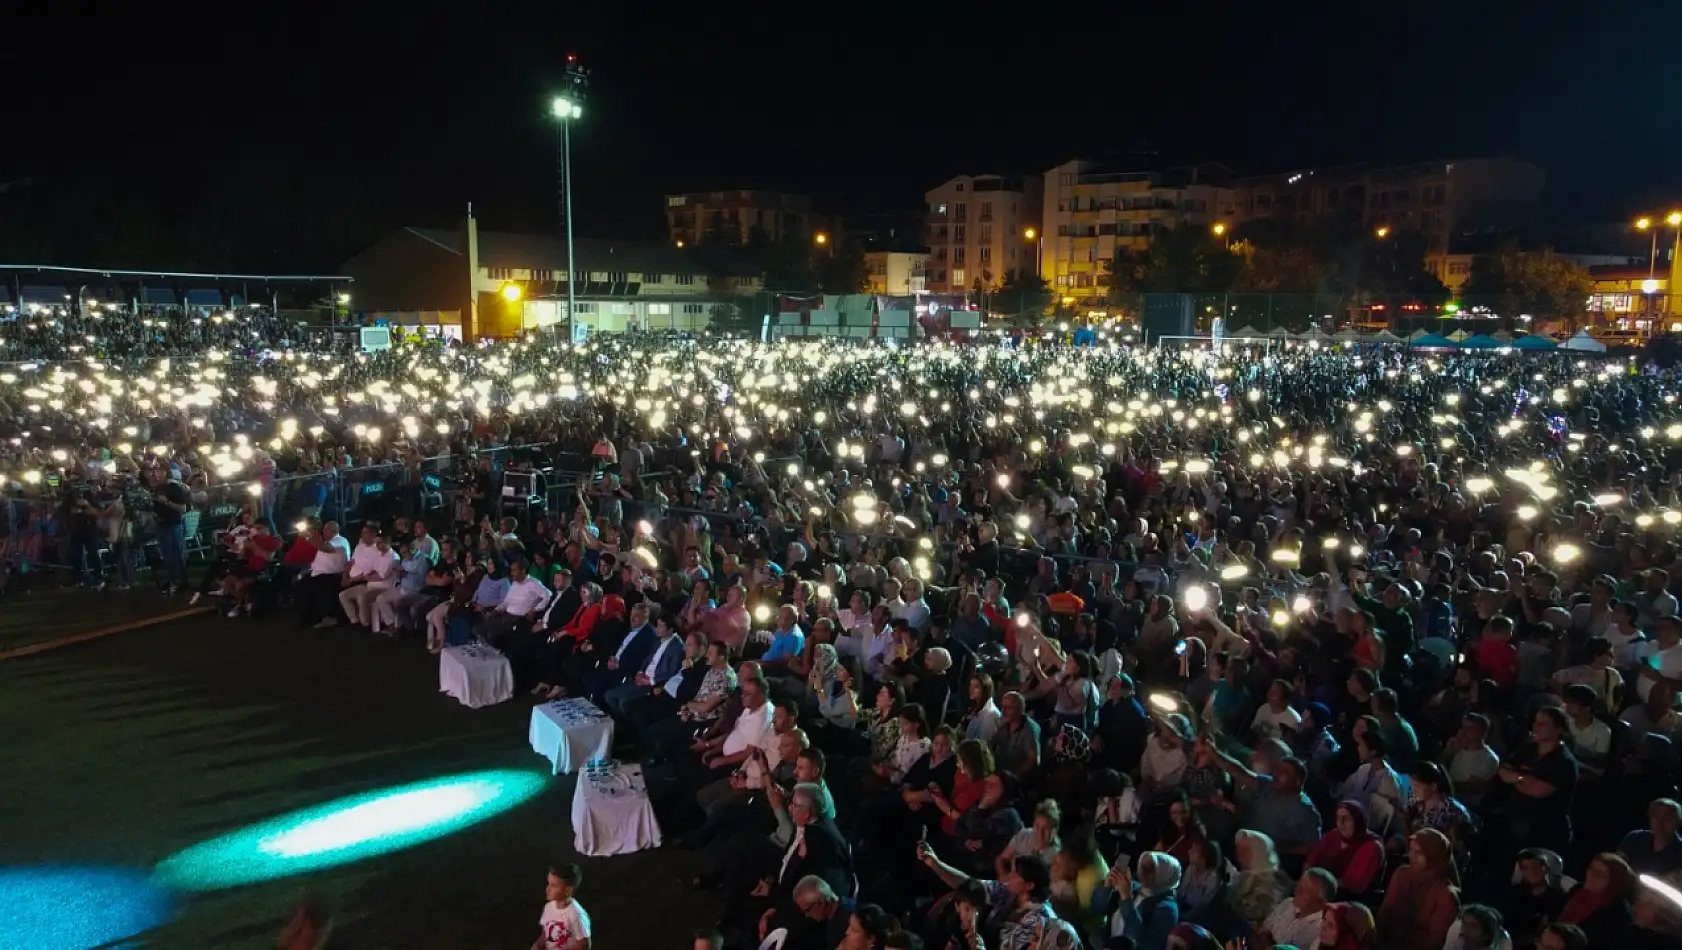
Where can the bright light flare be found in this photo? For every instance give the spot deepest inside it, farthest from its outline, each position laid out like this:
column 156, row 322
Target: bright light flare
column 348, row 829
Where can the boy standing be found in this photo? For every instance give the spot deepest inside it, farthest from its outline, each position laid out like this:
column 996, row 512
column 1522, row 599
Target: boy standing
column 565, row 924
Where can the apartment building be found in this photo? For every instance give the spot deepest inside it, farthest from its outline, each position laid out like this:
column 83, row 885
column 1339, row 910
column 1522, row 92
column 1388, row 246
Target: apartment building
column 896, row 273
column 1442, row 200
column 976, row 230
column 731, row 216
column 1092, row 211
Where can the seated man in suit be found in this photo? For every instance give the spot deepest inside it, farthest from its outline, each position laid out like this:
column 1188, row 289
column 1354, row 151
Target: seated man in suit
column 665, row 660
column 605, row 665
column 815, row 849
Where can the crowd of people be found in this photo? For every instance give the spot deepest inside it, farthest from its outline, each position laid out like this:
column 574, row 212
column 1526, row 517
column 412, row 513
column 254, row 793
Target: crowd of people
column 1016, row 646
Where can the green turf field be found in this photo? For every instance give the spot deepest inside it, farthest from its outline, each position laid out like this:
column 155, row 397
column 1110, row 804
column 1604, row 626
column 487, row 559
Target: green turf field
column 124, row 750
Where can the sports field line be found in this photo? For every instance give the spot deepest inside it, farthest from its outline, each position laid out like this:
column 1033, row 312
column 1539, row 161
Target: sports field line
column 85, row 636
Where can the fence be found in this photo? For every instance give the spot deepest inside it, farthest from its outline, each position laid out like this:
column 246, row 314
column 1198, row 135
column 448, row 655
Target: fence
column 1402, row 314
column 36, row 533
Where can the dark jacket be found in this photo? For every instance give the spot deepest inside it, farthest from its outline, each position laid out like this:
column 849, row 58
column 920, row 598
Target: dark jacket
column 826, row 855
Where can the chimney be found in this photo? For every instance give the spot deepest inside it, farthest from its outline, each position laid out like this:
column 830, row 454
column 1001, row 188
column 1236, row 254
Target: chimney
column 470, row 318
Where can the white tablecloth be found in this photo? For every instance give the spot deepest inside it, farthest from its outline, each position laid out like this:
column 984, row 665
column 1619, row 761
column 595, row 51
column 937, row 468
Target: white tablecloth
column 570, row 733
column 476, row 674
column 614, row 822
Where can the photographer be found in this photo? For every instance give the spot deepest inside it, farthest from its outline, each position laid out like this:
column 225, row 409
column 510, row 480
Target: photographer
column 82, row 516
column 171, row 501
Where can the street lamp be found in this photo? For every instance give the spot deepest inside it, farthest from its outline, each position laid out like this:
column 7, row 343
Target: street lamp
column 567, row 108
column 1382, row 232
column 512, row 292
column 1031, row 235
column 1219, row 229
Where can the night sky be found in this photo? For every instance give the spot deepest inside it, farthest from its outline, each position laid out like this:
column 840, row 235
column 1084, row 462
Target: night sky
column 400, row 121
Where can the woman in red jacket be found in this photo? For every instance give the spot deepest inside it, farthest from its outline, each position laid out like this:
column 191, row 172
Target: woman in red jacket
column 1352, row 854
column 591, row 612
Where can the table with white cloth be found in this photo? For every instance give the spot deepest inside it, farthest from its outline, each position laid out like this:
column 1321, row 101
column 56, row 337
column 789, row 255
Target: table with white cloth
column 570, row 733
column 476, row 674
column 611, row 813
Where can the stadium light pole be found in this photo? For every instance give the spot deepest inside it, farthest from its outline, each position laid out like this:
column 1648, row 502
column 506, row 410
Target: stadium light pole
column 567, row 108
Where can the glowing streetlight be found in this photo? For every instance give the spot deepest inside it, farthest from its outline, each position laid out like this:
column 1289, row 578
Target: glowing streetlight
column 1674, row 219
column 1029, row 234
column 568, row 108
column 1382, row 232
column 1643, row 223
column 1219, row 229
column 680, row 243
column 512, row 293
column 821, row 238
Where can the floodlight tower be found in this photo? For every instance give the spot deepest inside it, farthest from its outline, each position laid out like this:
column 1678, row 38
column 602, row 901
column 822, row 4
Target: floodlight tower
column 567, row 107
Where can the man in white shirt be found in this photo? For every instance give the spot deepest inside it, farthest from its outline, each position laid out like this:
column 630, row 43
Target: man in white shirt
column 914, row 610
column 1591, row 739
column 1296, row 922
column 1471, row 763
column 318, row 590
column 748, row 732
column 526, row 595
column 370, row 575
column 1666, row 662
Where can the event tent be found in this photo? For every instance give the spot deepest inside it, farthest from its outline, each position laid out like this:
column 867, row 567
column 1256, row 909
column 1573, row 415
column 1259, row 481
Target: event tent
column 1533, row 343
column 1433, row 341
column 1482, row 341
column 1583, row 342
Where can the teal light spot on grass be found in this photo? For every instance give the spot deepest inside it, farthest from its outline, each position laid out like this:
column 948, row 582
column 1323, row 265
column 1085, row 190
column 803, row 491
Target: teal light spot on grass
column 73, row 908
column 348, row 829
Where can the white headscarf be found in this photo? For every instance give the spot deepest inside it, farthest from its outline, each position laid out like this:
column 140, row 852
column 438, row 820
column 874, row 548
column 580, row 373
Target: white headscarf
column 1164, row 873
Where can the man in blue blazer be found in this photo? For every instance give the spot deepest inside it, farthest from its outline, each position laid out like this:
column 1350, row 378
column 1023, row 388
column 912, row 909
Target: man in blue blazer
column 612, row 661
column 664, row 661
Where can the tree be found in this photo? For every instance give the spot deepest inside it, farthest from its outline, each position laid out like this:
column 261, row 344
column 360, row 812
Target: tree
column 1022, row 294
column 1535, row 282
column 1184, row 259
column 840, row 269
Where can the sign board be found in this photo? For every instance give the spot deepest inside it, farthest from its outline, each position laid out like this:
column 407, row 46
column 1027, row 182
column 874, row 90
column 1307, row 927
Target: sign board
column 375, row 339
column 580, row 333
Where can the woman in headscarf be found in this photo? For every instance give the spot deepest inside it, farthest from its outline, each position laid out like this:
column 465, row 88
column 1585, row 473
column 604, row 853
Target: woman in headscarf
column 1145, row 909
column 1536, row 896
column 1192, row 937
column 933, row 688
column 1347, row 926
column 1423, row 899
column 1259, row 885
column 835, row 704
column 1163, row 766
column 1601, row 904
column 1351, row 852
column 1071, row 751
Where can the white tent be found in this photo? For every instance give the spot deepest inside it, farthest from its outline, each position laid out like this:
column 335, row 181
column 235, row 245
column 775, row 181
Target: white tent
column 1458, row 335
column 1385, row 336
column 1348, row 336
column 1279, row 333
column 1418, row 333
column 1313, row 333
column 1245, row 332
column 1583, row 342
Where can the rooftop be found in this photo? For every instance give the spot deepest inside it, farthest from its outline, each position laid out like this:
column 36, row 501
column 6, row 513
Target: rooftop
column 548, row 252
